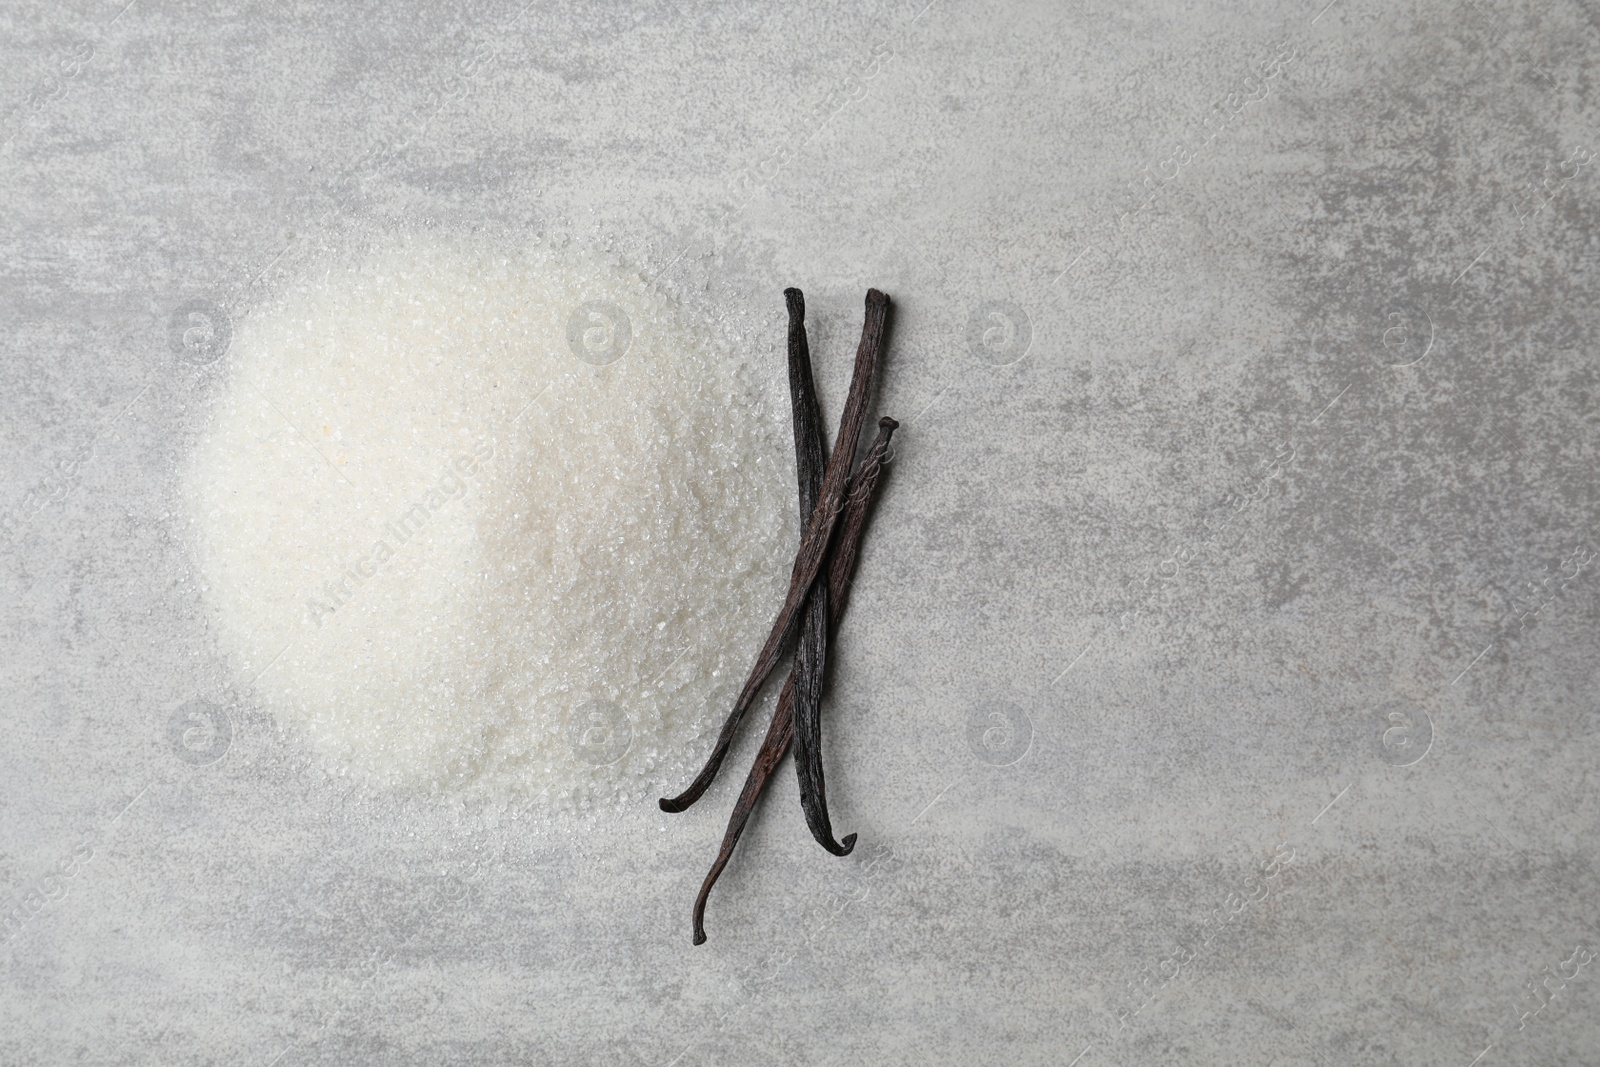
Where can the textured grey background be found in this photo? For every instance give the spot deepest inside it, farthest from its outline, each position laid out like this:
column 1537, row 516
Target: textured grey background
column 1219, row 685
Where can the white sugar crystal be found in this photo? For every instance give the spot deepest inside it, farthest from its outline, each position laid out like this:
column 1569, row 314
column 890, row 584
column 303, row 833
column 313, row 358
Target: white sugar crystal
column 473, row 520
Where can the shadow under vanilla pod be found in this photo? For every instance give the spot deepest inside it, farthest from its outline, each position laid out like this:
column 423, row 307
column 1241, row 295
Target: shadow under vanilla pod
column 833, row 499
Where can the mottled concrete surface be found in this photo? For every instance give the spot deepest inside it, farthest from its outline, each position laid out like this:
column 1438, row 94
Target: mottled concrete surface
column 1219, row 685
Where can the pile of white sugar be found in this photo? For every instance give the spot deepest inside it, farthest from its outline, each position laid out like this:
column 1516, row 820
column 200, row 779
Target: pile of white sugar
column 478, row 520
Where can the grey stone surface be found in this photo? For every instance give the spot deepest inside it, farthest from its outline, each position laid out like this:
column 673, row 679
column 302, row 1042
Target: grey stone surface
column 1220, row 680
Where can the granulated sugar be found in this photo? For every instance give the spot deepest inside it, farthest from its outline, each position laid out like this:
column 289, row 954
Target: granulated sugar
column 471, row 520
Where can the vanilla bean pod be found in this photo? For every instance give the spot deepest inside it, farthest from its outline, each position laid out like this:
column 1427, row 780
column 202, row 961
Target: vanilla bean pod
column 813, row 544
column 811, row 650
column 841, row 569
